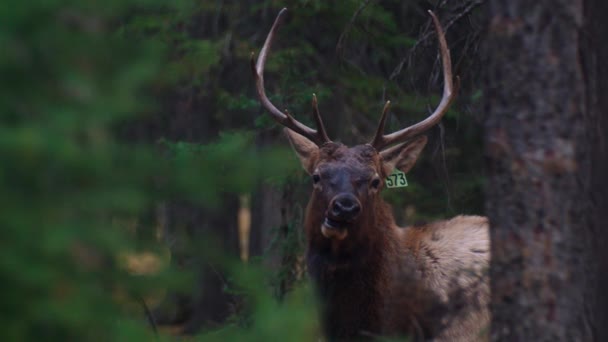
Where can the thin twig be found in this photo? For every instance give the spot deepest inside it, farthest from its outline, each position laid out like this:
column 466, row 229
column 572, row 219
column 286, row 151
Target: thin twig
column 149, row 315
column 350, row 25
column 445, row 166
column 470, row 7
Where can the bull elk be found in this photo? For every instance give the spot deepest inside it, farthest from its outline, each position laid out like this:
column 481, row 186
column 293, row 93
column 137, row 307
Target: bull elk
column 373, row 277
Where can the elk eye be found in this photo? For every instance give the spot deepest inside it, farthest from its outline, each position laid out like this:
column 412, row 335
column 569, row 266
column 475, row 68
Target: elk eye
column 316, row 178
column 375, row 183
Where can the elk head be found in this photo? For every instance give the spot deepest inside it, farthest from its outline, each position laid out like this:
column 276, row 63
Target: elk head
column 347, row 181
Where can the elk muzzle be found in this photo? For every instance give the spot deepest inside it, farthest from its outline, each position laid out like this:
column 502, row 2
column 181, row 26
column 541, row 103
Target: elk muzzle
column 343, row 210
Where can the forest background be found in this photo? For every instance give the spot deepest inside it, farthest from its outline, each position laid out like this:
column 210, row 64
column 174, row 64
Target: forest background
column 145, row 192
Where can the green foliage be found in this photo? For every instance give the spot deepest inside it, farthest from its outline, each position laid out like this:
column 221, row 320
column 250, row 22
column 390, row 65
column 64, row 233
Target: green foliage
column 64, row 176
column 229, row 165
column 70, row 188
column 292, row 318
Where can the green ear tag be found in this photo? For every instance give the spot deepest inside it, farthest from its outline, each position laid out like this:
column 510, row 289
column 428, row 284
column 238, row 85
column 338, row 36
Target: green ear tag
column 396, row 179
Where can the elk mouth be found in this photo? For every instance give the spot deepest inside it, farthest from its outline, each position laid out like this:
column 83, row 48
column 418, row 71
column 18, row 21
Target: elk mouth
column 334, row 229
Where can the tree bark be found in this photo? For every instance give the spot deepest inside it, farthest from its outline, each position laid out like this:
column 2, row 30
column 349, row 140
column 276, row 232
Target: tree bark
column 594, row 56
column 545, row 155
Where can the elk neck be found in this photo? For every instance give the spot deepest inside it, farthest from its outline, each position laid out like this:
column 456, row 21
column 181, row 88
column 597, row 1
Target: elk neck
column 352, row 275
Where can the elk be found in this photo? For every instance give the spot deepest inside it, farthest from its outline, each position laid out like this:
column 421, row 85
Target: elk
column 373, row 277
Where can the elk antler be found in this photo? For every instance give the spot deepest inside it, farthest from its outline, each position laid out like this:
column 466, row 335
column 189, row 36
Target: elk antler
column 380, row 141
column 318, row 136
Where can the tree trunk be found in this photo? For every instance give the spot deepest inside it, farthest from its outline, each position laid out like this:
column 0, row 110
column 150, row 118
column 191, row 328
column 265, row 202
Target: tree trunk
column 545, row 157
column 595, row 57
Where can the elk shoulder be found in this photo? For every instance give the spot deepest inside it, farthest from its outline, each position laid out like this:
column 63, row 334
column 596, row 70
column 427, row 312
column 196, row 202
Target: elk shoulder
column 449, row 261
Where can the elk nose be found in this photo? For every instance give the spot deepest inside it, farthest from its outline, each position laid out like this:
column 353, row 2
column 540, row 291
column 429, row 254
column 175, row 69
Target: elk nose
column 345, row 207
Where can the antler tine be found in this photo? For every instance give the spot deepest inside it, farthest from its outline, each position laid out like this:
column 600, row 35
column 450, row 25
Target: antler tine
column 380, row 141
column 318, row 136
column 380, row 131
column 318, row 121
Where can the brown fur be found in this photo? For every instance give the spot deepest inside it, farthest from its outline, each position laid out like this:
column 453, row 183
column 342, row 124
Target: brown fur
column 428, row 282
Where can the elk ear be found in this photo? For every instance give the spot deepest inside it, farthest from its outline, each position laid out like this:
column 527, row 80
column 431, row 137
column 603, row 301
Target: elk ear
column 402, row 156
column 306, row 150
